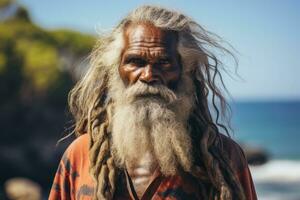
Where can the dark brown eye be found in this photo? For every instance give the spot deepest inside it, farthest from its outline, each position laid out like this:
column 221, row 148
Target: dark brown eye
column 164, row 61
column 136, row 61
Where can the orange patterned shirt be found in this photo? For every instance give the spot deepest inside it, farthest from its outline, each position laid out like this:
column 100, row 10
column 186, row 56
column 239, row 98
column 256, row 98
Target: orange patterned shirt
column 72, row 180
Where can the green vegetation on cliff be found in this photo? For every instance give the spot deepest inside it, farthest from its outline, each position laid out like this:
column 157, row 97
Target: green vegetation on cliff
column 37, row 70
column 31, row 56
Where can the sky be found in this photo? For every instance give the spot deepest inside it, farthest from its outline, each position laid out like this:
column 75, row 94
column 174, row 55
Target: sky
column 265, row 35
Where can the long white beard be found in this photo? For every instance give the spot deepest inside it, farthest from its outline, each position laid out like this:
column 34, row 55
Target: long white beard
column 152, row 119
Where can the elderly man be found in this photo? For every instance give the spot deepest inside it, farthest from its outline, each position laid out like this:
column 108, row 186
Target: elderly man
column 143, row 122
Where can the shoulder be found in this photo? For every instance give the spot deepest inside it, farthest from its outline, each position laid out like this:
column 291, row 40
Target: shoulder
column 72, row 173
column 237, row 159
column 76, row 156
column 234, row 152
column 81, row 143
column 78, row 149
column 75, row 161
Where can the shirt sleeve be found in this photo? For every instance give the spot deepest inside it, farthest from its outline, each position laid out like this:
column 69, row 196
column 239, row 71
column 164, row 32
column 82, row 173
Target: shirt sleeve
column 61, row 187
column 240, row 166
column 72, row 180
column 245, row 178
column 247, row 184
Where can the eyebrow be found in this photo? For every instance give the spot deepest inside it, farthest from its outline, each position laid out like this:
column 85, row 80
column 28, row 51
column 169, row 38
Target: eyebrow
column 139, row 55
column 130, row 56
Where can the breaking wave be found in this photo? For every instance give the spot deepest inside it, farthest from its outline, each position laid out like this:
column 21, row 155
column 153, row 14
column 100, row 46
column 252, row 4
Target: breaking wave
column 277, row 180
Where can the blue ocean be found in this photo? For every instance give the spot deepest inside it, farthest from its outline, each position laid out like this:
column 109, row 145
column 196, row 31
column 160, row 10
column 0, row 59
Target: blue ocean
column 275, row 127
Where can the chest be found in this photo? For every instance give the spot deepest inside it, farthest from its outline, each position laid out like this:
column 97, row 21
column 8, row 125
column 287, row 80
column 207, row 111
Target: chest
column 140, row 174
column 161, row 188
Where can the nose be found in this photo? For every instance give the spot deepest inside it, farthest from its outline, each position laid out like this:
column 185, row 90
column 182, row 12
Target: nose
column 149, row 75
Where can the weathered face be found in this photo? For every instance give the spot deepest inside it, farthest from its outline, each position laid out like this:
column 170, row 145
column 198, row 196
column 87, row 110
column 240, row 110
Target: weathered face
column 150, row 55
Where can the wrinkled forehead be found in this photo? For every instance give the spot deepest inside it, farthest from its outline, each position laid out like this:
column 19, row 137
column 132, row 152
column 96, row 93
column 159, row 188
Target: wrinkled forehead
column 147, row 35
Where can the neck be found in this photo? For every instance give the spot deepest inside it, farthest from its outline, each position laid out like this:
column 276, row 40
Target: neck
column 142, row 165
column 141, row 172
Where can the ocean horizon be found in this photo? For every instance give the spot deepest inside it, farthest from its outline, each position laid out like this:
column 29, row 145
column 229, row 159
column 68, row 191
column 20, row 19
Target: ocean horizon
column 274, row 127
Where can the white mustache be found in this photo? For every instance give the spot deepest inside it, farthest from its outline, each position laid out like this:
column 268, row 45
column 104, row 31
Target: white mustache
column 143, row 90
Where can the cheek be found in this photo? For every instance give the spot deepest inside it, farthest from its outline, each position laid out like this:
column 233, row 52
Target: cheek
column 123, row 74
column 174, row 75
column 172, row 78
column 128, row 74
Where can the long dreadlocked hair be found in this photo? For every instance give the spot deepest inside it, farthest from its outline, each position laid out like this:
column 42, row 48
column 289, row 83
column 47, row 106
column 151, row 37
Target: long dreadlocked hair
column 92, row 107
